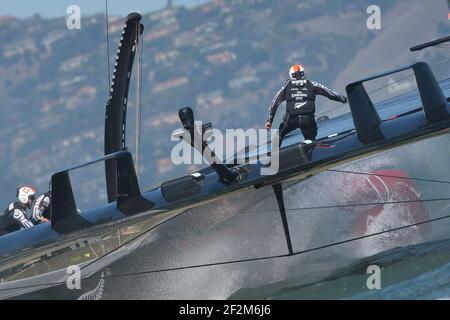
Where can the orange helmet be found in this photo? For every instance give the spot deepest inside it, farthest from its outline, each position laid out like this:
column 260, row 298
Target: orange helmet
column 297, row 72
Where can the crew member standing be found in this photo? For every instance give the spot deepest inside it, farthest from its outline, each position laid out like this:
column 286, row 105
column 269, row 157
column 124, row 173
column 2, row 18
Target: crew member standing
column 300, row 95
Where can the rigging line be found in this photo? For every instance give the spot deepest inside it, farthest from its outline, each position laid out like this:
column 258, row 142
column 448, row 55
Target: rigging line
column 367, row 204
column 391, row 83
column 378, row 89
column 138, row 104
column 284, row 255
column 406, row 77
column 349, row 205
column 371, row 92
column 388, row 176
column 150, row 271
column 332, row 109
column 143, row 234
column 107, row 45
column 355, row 172
column 188, row 267
column 368, row 174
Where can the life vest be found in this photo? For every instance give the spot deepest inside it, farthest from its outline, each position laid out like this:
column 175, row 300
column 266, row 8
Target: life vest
column 300, row 98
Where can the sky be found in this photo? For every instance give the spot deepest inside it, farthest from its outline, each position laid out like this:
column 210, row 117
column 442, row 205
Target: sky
column 57, row 8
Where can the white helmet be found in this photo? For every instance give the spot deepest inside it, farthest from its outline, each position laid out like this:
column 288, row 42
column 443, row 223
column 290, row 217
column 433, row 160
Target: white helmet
column 26, row 195
column 297, row 72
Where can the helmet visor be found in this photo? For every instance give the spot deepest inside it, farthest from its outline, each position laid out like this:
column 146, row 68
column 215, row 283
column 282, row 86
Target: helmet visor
column 298, row 74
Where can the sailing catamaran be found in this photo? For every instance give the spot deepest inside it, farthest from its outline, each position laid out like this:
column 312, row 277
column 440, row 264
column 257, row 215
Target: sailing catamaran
column 33, row 262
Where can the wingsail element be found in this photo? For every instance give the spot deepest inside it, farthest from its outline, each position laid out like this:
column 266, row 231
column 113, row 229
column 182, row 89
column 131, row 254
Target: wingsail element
column 365, row 117
column 116, row 107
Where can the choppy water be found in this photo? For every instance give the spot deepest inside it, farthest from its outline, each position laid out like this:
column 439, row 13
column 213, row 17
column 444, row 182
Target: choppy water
column 418, row 272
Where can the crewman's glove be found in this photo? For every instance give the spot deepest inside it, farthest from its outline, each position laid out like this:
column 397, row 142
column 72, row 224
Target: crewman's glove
column 344, row 99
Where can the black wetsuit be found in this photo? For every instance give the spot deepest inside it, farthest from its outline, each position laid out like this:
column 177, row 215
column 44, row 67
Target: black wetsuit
column 300, row 96
column 14, row 218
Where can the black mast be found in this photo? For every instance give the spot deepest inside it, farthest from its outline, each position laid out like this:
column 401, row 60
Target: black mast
column 116, row 107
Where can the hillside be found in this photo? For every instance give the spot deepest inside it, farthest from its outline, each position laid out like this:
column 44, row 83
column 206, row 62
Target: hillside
column 226, row 59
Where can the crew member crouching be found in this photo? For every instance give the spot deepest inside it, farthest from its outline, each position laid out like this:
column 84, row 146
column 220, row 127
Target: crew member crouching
column 41, row 209
column 15, row 216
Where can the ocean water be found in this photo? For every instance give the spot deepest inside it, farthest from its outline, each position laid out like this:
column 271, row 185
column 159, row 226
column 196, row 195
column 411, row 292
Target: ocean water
column 416, row 272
